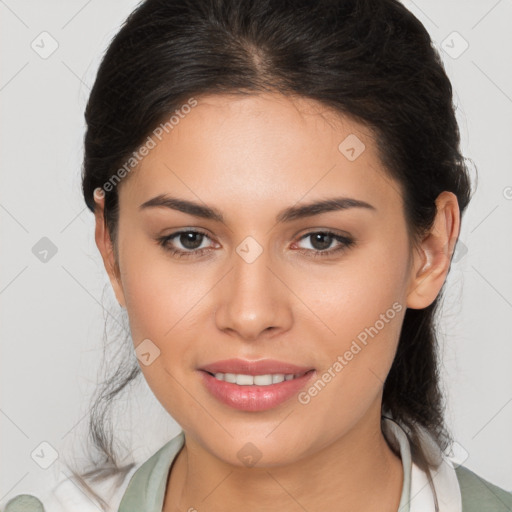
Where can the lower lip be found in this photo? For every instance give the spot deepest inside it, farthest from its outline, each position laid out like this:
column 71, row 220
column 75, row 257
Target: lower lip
column 254, row 398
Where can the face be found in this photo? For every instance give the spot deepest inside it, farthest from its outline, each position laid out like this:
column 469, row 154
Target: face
column 326, row 292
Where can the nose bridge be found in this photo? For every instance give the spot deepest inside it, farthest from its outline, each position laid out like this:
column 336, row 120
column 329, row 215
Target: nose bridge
column 251, row 273
column 252, row 299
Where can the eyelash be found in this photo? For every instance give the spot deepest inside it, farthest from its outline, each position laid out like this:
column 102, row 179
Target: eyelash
column 346, row 243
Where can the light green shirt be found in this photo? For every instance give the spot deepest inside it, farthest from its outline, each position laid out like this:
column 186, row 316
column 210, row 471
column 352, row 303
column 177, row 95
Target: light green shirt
column 146, row 490
column 458, row 489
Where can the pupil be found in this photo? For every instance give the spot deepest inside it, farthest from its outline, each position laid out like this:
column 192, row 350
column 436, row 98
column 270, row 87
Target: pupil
column 187, row 240
column 324, row 245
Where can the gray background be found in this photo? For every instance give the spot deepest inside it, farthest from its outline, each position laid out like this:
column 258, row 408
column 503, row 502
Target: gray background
column 53, row 311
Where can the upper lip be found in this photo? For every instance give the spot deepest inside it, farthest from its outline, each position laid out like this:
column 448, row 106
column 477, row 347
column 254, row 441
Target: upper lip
column 261, row 367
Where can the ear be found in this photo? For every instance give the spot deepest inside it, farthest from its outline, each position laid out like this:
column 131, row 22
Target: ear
column 105, row 247
column 432, row 258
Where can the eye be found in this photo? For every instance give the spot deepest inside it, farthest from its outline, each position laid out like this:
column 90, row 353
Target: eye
column 322, row 240
column 190, row 239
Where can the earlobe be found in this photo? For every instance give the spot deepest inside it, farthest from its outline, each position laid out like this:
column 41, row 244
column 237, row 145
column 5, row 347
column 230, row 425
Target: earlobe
column 432, row 259
column 104, row 244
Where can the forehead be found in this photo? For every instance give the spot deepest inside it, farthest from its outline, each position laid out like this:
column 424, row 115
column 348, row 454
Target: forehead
column 259, row 150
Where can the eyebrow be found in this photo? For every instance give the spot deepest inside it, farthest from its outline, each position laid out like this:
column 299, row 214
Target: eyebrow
column 288, row 214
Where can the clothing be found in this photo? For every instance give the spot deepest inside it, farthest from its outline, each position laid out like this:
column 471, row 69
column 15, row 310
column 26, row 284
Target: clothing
column 458, row 489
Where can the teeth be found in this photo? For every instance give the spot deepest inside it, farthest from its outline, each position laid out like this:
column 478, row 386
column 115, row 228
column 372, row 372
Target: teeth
column 257, row 380
column 244, row 380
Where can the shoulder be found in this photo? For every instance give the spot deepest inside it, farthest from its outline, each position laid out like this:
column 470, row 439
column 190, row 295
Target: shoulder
column 69, row 495
column 142, row 480
column 478, row 494
column 146, row 488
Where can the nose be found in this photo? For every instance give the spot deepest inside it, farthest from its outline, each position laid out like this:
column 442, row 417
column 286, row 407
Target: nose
column 253, row 300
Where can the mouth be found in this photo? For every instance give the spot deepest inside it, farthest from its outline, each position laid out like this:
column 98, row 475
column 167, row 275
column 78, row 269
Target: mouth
column 254, row 386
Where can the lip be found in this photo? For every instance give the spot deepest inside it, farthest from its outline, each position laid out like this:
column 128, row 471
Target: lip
column 254, row 398
column 247, row 367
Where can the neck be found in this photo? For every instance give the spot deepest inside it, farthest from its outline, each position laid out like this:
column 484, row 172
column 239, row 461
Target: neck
column 358, row 472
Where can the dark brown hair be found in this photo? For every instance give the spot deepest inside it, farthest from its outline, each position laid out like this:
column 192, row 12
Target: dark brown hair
column 371, row 60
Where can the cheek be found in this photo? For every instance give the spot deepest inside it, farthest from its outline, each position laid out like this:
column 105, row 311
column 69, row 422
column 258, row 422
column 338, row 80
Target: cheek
column 356, row 359
column 163, row 301
column 159, row 293
column 160, row 300
column 361, row 305
column 355, row 294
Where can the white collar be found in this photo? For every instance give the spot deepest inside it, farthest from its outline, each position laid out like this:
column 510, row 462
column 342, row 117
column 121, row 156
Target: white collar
column 418, row 495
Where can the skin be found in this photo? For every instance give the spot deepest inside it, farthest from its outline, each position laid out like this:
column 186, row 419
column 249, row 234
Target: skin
column 250, row 157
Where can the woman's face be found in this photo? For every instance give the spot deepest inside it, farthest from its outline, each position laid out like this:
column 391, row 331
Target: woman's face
column 259, row 284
